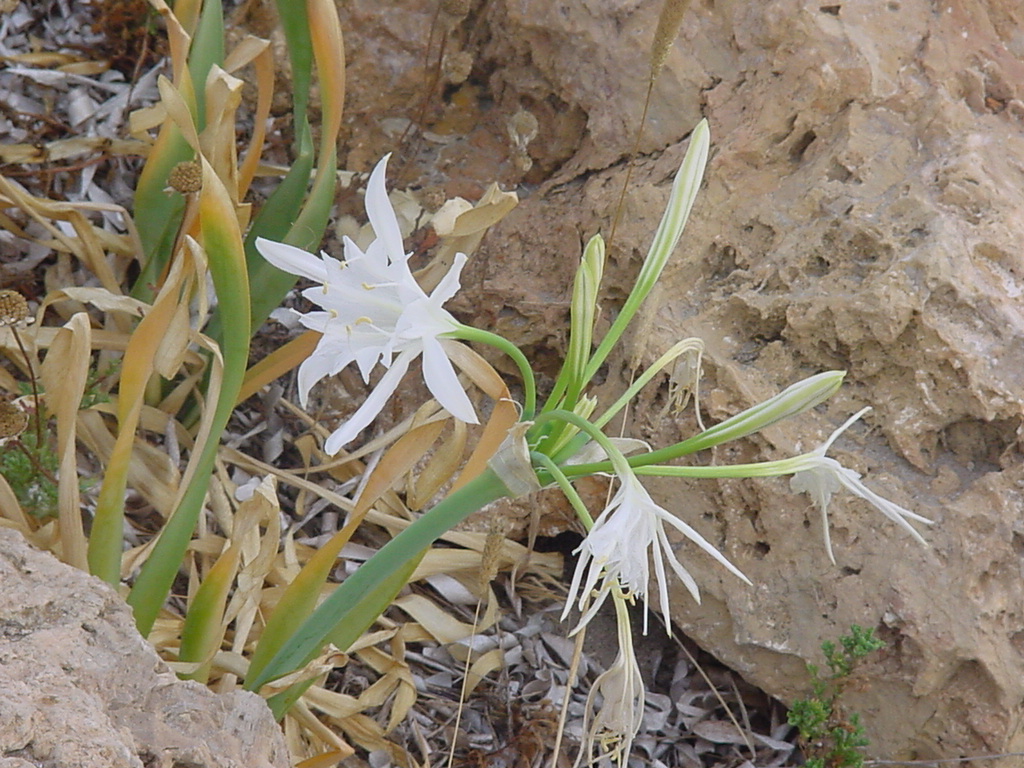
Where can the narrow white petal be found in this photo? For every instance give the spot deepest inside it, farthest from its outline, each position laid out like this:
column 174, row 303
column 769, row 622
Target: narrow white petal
column 449, row 284
column 371, row 407
column 893, row 511
column 313, row 368
column 292, row 260
column 662, row 580
column 846, row 425
column 287, row 317
column 443, row 382
column 572, row 596
column 382, row 215
column 819, row 482
column 602, row 595
column 701, row 542
column 681, row 573
column 329, row 357
column 826, row 533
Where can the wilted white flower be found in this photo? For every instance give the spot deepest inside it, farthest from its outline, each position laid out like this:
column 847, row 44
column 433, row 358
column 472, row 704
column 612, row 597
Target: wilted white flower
column 375, row 311
column 621, row 688
column 616, row 551
column 820, row 476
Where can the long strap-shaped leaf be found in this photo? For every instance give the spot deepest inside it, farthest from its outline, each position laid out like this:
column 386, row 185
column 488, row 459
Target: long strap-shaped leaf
column 157, row 214
column 222, row 242
column 313, row 33
column 300, row 596
column 106, row 537
column 65, row 372
column 359, row 600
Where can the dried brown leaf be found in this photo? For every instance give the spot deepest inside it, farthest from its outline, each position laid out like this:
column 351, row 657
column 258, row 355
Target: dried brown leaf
column 64, row 373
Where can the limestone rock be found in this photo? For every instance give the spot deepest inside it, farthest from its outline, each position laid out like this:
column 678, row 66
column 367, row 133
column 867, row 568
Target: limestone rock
column 861, row 211
column 80, row 688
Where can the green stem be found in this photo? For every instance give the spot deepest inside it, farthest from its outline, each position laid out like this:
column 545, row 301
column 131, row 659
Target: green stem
column 684, row 191
column 617, row 461
column 640, row 466
column 469, row 333
column 566, row 485
column 321, row 626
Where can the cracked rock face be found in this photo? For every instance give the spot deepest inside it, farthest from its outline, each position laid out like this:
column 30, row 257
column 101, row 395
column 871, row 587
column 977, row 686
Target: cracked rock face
column 79, row 688
column 861, row 211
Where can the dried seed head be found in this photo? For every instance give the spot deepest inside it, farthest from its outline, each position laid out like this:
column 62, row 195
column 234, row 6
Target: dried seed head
column 13, row 308
column 490, row 559
column 457, row 67
column 457, row 8
column 668, row 27
column 13, row 420
column 186, row 177
column 522, row 128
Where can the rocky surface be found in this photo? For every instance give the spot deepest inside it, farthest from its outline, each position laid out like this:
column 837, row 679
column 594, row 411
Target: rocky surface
column 861, row 211
column 79, row 688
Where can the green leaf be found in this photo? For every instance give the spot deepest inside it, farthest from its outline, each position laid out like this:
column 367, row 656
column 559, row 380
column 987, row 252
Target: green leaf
column 222, row 242
column 359, row 617
column 203, row 631
column 369, row 590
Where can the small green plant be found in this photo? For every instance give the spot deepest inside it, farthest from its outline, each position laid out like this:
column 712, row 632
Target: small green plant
column 30, row 469
column 828, row 736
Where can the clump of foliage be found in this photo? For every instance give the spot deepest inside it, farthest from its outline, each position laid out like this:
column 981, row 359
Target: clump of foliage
column 30, row 469
column 829, row 737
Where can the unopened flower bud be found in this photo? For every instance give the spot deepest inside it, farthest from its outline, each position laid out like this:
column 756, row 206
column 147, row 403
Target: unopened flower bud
column 795, row 399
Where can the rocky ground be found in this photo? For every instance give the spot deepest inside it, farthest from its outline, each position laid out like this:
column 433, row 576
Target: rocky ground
column 861, row 211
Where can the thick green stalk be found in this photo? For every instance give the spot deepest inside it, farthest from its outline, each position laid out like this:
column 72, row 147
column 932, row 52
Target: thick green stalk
column 348, row 604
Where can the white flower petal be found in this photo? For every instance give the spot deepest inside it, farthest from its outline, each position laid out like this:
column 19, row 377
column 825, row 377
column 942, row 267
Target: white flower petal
column 371, row 407
column 374, row 310
column 287, row 317
column 819, row 476
column 382, row 215
column 701, row 542
column 449, row 284
column 896, row 513
column 292, row 260
column 443, row 382
column 819, row 484
column 618, row 549
column 621, row 689
column 313, row 368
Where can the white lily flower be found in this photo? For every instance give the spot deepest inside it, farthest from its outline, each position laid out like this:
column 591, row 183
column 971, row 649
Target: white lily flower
column 820, row 476
column 375, row 311
column 615, row 552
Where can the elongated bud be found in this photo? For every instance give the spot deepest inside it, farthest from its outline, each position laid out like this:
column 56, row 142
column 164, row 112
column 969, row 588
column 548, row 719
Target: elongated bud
column 684, row 192
column 795, row 399
column 584, row 303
